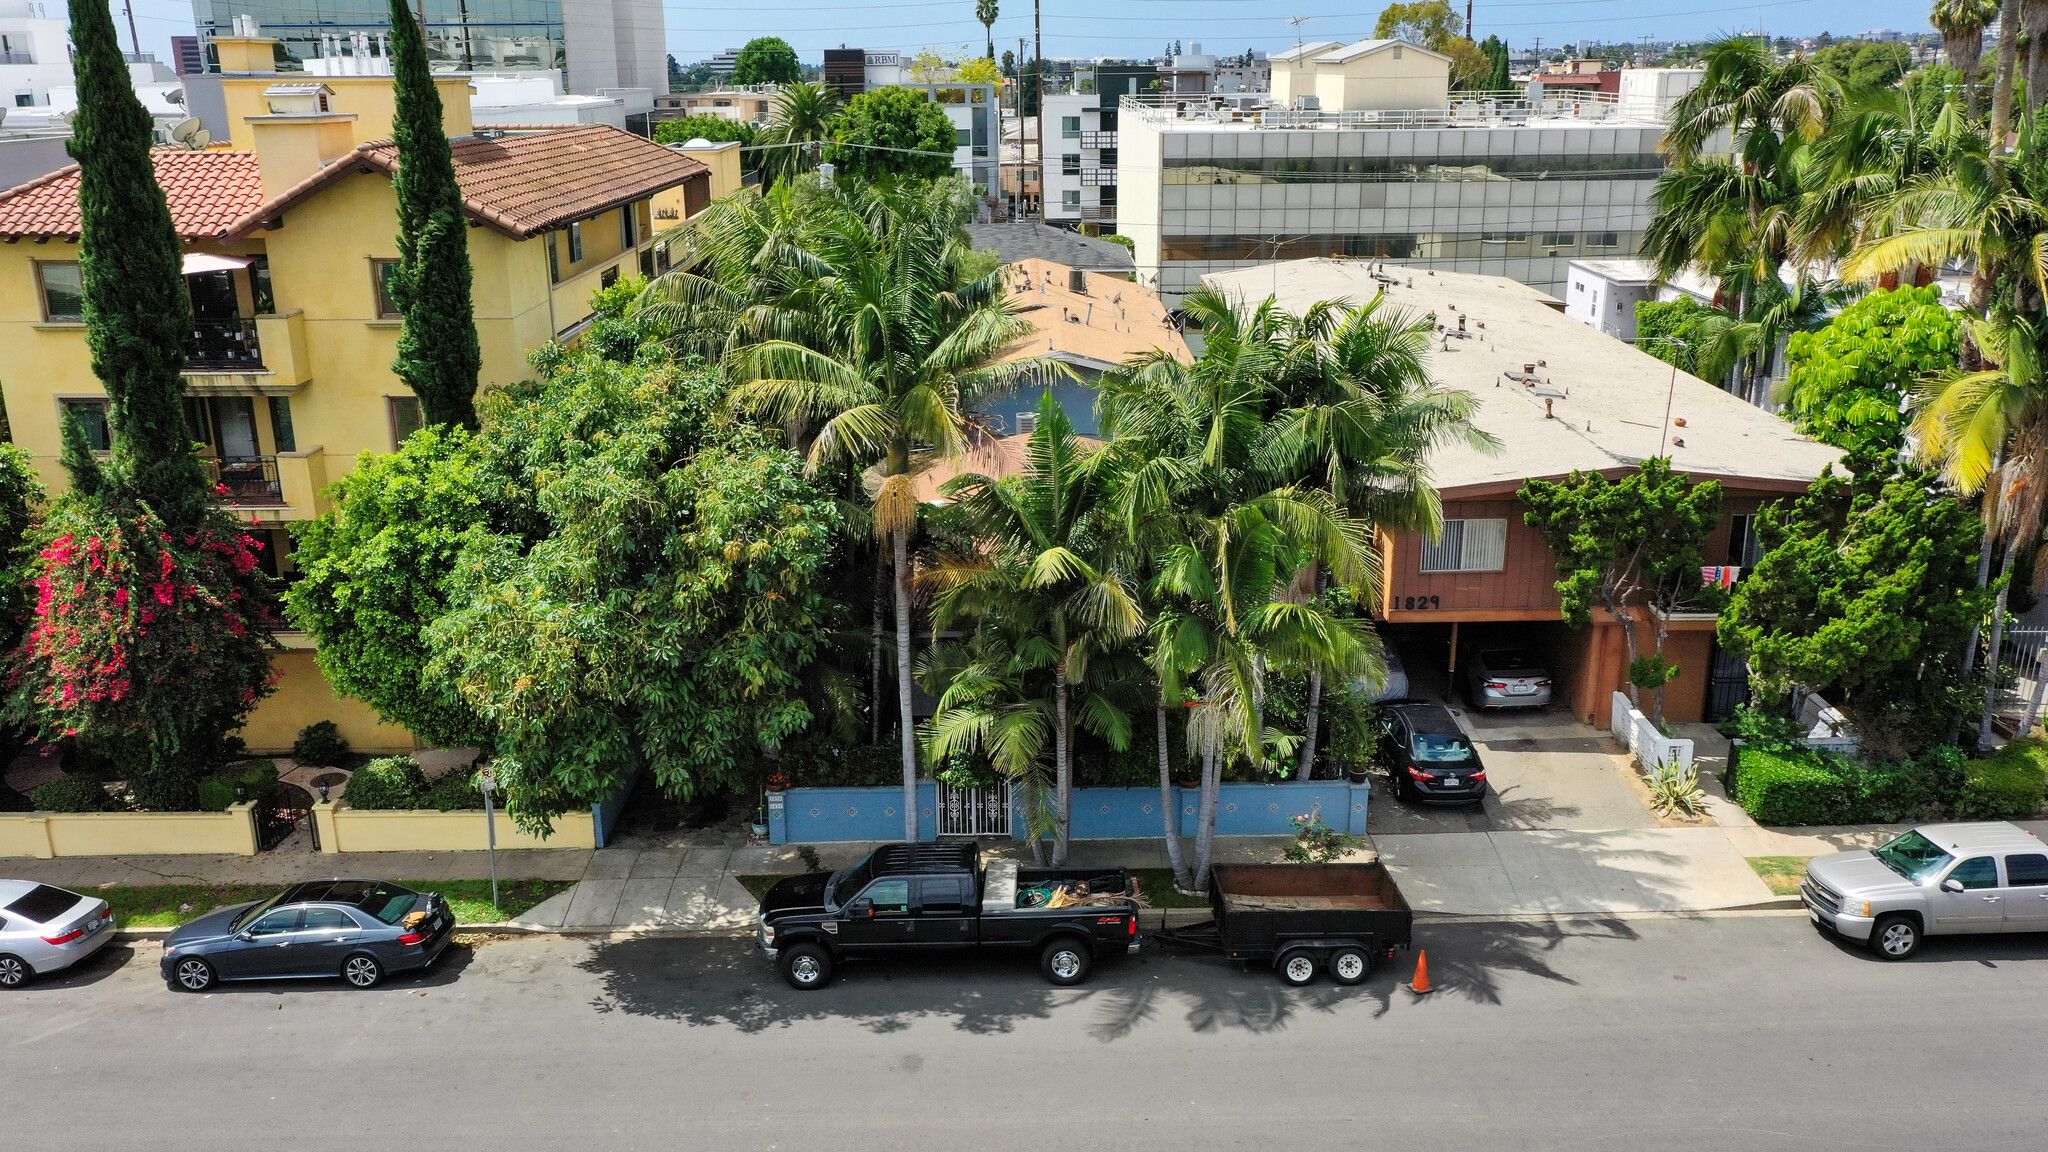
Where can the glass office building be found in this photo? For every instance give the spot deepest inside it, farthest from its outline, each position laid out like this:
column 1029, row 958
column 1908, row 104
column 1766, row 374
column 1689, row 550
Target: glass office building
column 462, row 35
column 1461, row 189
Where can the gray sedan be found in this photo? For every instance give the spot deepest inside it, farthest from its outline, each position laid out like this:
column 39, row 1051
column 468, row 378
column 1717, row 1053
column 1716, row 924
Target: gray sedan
column 359, row 930
column 45, row 929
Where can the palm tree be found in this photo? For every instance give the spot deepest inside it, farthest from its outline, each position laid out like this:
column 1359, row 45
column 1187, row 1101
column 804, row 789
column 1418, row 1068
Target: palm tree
column 869, row 345
column 1765, row 104
column 1033, row 564
column 1881, row 140
column 985, row 11
column 1363, row 417
column 798, row 124
column 1225, row 544
column 1961, row 24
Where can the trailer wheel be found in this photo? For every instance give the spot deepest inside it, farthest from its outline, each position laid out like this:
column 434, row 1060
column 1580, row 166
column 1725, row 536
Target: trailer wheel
column 1350, row 965
column 1065, row 961
column 1297, row 969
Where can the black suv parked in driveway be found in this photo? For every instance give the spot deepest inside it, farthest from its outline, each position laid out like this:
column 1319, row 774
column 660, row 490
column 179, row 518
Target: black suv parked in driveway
column 1430, row 757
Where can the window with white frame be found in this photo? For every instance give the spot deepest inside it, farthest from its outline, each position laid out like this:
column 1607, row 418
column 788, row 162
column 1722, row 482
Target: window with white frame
column 1467, row 546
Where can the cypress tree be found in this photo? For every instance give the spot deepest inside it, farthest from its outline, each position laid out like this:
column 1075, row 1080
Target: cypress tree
column 438, row 353
column 149, row 631
column 137, row 313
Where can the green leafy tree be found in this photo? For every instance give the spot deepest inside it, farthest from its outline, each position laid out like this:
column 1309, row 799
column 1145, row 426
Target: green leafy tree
column 439, row 355
column 703, row 126
column 376, row 571
column 892, row 132
column 767, row 60
column 1866, row 590
column 662, row 608
column 150, row 633
column 1677, row 331
column 1632, row 547
column 1497, row 75
column 1435, row 25
column 676, row 75
column 1864, row 63
column 1850, row 381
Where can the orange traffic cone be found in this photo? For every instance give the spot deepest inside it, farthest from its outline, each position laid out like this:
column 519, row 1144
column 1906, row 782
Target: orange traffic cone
column 1420, row 985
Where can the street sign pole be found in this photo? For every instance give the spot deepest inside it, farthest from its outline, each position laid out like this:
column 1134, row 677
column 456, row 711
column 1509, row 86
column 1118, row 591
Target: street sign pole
column 487, row 778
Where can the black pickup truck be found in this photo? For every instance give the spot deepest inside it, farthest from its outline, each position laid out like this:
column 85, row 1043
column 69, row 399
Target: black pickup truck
column 917, row 897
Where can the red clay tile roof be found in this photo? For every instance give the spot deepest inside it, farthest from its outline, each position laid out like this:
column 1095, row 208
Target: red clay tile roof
column 207, row 192
column 517, row 184
column 524, row 183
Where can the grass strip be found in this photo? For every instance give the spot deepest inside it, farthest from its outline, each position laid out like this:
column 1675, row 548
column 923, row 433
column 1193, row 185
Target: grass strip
column 169, row 905
column 1781, row 874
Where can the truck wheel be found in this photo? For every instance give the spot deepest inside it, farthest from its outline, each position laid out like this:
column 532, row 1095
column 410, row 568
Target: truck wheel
column 1350, row 965
column 1895, row 937
column 1065, row 961
column 1297, row 969
column 806, row 967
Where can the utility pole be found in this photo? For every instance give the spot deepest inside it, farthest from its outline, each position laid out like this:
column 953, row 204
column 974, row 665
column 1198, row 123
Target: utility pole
column 1038, row 86
column 1468, row 19
column 1023, row 153
column 128, row 6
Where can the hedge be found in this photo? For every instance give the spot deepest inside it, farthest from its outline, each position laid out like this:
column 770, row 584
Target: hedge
column 2010, row 785
column 395, row 782
column 72, row 794
column 1784, row 790
column 257, row 780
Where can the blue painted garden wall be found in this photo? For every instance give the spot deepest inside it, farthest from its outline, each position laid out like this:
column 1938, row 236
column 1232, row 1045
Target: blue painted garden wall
column 823, row 815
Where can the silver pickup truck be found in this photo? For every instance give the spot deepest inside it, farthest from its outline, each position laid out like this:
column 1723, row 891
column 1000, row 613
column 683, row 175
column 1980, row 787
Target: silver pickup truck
column 1936, row 880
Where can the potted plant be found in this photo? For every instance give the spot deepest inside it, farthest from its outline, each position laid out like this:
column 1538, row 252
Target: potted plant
column 759, row 828
column 1355, row 772
column 777, row 782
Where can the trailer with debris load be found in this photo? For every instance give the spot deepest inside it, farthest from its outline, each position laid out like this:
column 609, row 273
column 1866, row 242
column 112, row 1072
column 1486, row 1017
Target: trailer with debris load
column 1302, row 918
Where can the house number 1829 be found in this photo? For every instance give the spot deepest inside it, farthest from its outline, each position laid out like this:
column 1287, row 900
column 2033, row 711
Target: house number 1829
column 1414, row 602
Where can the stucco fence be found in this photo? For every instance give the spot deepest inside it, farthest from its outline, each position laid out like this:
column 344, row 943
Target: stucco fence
column 343, row 829
column 50, row 834
column 1650, row 746
column 825, row 815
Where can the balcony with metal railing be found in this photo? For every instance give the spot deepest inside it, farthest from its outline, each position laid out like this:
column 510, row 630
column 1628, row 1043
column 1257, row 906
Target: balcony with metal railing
column 223, row 346
column 1098, row 139
column 1098, row 177
column 13, row 57
column 247, row 479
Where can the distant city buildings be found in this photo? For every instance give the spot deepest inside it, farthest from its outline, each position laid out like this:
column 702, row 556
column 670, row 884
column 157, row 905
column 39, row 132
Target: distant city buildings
column 187, row 55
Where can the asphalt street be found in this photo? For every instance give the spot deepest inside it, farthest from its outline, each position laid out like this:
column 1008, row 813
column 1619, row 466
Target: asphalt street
column 1731, row 1031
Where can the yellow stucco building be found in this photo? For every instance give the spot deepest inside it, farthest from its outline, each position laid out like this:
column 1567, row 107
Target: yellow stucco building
column 289, row 231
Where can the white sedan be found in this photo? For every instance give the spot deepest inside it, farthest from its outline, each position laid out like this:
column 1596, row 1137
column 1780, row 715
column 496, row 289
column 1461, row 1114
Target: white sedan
column 44, row 929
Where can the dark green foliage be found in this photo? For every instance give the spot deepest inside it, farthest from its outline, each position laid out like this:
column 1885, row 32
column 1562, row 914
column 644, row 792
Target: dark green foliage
column 2007, row 786
column 1619, row 542
column 704, row 126
column 72, row 794
column 438, row 352
column 254, row 780
column 1849, row 380
column 375, row 574
column 1866, row 592
column 454, row 791
column 815, row 761
column 321, row 744
column 1497, row 76
column 136, row 307
column 767, row 60
column 79, row 758
column 395, row 782
column 892, row 118
column 1788, row 790
column 1865, row 63
column 12, row 801
column 1675, row 331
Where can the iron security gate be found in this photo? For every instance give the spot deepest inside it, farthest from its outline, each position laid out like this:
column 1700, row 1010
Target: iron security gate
column 974, row 811
column 1727, row 684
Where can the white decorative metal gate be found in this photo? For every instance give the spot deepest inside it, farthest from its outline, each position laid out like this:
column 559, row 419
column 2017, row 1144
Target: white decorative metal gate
column 974, row 811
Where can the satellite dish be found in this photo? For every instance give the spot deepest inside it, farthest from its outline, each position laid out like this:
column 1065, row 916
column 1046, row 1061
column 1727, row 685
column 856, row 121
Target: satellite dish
column 188, row 132
column 174, row 96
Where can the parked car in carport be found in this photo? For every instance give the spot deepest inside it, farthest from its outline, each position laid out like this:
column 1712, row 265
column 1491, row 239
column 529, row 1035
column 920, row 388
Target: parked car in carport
column 1429, row 756
column 359, row 930
column 45, row 929
column 1506, row 678
column 1394, row 687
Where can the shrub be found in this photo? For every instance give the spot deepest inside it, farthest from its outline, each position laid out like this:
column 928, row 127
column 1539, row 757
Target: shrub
column 257, row 780
column 320, row 744
column 394, row 782
column 86, row 761
column 455, row 791
column 72, row 794
column 1792, row 789
column 2008, row 786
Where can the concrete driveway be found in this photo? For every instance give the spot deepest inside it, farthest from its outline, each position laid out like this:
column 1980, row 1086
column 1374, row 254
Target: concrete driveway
column 1547, row 770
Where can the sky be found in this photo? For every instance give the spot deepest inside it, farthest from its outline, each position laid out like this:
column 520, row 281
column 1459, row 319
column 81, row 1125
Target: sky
column 1142, row 28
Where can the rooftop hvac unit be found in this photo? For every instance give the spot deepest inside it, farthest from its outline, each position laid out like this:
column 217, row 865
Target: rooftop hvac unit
column 1077, row 281
column 1308, row 104
column 1027, row 423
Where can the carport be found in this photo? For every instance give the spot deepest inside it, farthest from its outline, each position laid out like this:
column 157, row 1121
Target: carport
column 1432, row 652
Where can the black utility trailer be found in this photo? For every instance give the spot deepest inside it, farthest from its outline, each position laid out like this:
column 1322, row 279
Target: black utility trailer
column 1302, row 917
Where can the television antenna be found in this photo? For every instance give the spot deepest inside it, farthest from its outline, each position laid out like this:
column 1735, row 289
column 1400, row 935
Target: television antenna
column 1297, row 22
